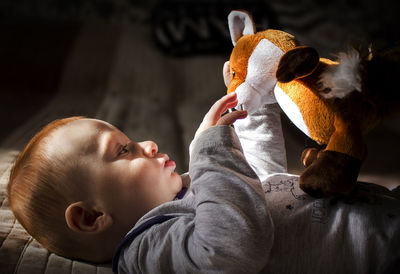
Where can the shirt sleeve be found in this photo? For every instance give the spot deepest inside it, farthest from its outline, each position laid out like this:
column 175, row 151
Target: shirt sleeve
column 262, row 139
column 228, row 229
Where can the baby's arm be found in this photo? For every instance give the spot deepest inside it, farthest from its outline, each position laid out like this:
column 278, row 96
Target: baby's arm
column 231, row 216
column 262, row 140
column 225, row 226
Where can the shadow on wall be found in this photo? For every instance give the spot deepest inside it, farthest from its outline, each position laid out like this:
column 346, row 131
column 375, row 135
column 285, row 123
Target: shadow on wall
column 32, row 62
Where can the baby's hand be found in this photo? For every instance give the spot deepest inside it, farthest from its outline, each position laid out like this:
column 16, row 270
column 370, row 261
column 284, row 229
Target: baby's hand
column 213, row 116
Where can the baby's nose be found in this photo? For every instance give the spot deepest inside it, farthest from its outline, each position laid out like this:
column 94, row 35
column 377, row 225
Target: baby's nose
column 150, row 148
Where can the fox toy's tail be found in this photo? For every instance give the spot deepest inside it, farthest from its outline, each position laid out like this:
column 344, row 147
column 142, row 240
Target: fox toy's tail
column 375, row 75
column 344, row 78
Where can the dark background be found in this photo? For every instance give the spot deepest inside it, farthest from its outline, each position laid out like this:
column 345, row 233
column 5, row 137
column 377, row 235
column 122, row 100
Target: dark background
column 153, row 68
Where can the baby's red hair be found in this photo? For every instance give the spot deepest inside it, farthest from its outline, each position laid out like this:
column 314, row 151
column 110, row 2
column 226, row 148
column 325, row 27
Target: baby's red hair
column 38, row 193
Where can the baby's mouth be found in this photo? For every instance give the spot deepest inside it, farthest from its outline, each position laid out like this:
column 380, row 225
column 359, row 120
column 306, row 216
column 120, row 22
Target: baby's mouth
column 168, row 162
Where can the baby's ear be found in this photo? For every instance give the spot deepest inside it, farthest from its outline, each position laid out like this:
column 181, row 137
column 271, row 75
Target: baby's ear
column 82, row 218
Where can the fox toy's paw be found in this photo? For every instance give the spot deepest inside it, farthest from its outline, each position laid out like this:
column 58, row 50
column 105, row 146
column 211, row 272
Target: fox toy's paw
column 330, row 174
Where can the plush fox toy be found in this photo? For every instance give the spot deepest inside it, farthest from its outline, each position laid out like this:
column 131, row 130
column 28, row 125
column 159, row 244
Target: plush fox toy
column 335, row 103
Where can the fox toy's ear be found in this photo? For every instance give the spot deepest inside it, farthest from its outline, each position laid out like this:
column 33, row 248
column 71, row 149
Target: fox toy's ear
column 240, row 23
column 297, row 63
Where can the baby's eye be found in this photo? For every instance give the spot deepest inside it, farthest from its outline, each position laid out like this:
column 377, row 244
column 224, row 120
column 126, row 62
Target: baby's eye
column 123, row 150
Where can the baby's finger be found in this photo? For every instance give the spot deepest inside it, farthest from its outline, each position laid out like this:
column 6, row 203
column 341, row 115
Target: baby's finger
column 228, row 101
column 229, row 105
column 230, row 118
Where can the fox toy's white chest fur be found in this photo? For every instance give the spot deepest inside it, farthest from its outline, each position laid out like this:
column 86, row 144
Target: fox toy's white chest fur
column 291, row 109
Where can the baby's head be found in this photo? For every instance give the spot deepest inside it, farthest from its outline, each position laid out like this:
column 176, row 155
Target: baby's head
column 80, row 185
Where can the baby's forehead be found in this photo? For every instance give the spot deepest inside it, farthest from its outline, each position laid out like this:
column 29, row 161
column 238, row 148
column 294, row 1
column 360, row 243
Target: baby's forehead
column 79, row 136
column 93, row 123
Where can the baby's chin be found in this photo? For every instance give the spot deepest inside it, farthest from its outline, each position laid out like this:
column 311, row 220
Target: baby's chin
column 178, row 184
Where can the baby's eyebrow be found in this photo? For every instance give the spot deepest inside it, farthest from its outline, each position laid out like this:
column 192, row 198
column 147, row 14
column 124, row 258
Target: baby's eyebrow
column 108, row 147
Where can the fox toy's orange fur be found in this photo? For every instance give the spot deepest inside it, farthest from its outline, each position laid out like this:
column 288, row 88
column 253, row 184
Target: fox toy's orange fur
column 337, row 102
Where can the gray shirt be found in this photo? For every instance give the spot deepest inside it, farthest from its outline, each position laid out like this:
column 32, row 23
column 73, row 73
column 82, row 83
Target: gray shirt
column 222, row 225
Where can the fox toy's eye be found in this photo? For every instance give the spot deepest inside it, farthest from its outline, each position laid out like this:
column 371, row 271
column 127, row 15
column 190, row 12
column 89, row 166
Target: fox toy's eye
column 233, row 74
